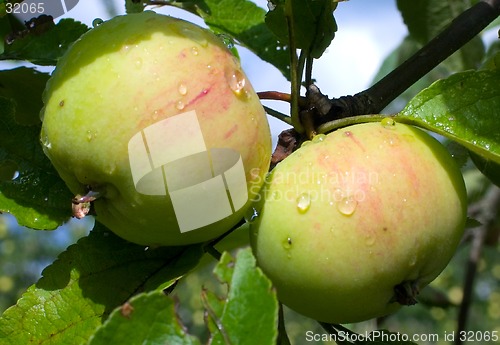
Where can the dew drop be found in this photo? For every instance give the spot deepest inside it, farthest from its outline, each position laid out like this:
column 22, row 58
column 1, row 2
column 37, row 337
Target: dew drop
column 347, row 205
column 195, row 51
column 155, row 114
column 287, row 243
column 413, row 260
column 388, row 122
column 125, row 49
column 46, row 142
column 226, row 40
column 318, row 138
column 90, row 135
column 96, row 22
column 303, row 202
column 305, row 143
column 180, row 105
column 251, row 215
column 370, row 240
column 236, row 81
column 138, row 63
column 182, row 89
column 195, row 34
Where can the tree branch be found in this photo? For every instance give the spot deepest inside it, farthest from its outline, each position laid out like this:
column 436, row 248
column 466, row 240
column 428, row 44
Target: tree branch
column 461, row 30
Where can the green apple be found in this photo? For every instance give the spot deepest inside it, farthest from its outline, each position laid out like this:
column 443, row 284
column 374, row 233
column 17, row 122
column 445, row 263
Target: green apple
column 355, row 223
column 142, row 109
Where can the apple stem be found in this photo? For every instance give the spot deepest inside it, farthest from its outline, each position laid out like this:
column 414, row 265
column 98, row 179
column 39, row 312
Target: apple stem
column 81, row 205
column 406, row 293
column 89, row 197
column 280, row 116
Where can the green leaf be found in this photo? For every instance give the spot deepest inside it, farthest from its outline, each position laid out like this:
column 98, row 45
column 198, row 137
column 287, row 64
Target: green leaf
column 244, row 20
column 489, row 168
column 146, row 319
column 493, row 57
column 249, row 312
column 24, row 86
column 134, row 6
column 44, row 43
column 30, row 188
column 464, row 107
column 86, row 283
column 425, row 19
column 313, row 23
column 326, row 26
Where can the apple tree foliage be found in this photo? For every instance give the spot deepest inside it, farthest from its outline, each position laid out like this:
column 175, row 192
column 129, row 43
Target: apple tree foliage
column 103, row 290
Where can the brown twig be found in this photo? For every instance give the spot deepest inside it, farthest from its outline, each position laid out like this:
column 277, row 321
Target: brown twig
column 280, row 96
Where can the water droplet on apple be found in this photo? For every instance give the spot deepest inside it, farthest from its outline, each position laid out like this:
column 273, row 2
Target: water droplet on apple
column 236, row 81
column 303, row 202
column 138, row 63
column 195, row 34
column 251, row 215
column 226, row 40
column 318, row 138
column 155, row 114
column 287, row 243
column 182, row 89
column 96, row 22
column 388, row 122
column 90, row 135
column 180, row 105
column 46, row 142
column 305, row 143
column 370, row 240
column 347, row 205
column 195, row 51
